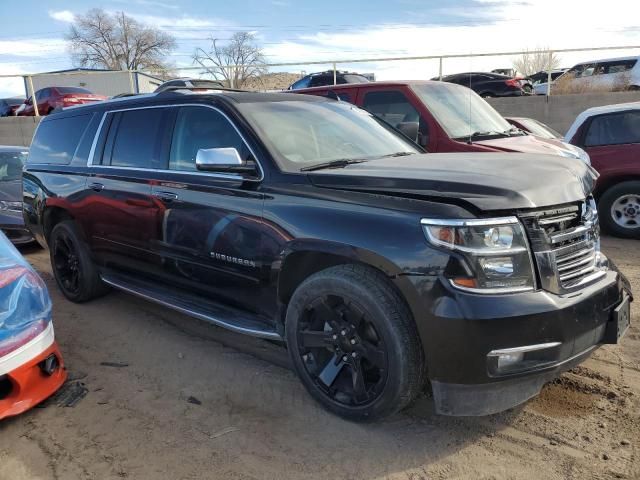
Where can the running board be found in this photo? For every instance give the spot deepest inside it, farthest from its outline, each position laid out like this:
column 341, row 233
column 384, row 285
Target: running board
column 197, row 307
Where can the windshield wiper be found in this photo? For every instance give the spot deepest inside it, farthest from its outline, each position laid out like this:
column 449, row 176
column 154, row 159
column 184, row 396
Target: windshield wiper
column 398, row 154
column 340, row 163
column 480, row 134
column 514, row 131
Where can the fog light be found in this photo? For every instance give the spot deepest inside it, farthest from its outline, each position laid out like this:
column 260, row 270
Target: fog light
column 497, row 267
column 507, row 360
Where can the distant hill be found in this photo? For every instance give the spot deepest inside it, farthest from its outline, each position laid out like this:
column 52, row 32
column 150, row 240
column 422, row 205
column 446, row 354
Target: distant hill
column 272, row 81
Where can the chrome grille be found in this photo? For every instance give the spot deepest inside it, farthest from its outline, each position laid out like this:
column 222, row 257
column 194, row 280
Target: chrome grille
column 565, row 245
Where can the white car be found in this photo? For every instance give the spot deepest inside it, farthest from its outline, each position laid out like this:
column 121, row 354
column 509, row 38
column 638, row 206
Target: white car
column 620, row 73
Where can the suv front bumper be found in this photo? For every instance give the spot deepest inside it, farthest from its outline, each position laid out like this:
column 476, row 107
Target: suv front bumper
column 540, row 334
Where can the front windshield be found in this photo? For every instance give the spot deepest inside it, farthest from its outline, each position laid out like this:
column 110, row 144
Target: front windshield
column 304, row 133
column 538, row 129
column 11, row 165
column 459, row 110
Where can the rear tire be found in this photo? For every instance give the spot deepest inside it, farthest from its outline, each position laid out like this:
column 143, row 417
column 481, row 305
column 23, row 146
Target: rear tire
column 619, row 209
column 354, row 344
column 74, row 271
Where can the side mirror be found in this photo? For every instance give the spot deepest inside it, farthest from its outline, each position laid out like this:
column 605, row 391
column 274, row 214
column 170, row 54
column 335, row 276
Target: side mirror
column 225, row 160
column 409, row 129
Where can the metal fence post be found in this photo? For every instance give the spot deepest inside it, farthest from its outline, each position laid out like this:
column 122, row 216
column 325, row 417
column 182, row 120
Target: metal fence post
column 335, row 74
column 131, row 83
column 440, row 69
column 33, row 97
column 549, row 74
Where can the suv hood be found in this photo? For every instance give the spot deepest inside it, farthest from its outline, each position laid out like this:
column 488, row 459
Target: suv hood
column 531, row 144
column 488, row 181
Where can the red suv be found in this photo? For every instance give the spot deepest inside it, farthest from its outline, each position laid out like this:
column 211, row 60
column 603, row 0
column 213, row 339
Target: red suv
column 58, row 97
column 448, row 117
column 611, row 136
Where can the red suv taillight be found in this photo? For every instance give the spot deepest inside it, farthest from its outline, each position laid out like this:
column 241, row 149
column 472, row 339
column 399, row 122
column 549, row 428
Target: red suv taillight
column 512, row 82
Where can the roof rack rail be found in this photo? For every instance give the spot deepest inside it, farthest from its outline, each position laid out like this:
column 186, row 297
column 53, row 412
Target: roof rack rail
column 178, row 88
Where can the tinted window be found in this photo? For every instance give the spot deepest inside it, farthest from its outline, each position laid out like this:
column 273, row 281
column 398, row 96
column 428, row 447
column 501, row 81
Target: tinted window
column 44, row 93
column 618, row 66
column 391, row 106
column 350, row 78
column 57, row 138
column 302, row 83
column 11, row 165
column 64, row 90
column 201, row 127
column 137, row 139
column 320, row 80
column 614, row 129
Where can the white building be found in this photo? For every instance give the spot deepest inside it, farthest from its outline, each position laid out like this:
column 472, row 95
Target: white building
column 102, row 82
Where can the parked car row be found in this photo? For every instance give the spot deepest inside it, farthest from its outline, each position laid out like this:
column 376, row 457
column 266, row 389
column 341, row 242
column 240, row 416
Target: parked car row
column 609, row 74
column 314, row 222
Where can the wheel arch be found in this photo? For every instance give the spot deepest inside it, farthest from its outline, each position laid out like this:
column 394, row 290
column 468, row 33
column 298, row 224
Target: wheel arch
column 301, row 259
column 51, row 216
column 612, row 181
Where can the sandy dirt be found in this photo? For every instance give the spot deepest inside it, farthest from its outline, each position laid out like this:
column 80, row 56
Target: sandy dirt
column 179, row 399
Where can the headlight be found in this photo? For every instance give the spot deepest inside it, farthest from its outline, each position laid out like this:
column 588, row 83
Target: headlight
column 584, row 156
column 11, row 206
column 493, row 253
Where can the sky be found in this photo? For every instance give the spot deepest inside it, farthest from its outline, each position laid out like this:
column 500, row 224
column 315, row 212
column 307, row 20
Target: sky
column 301, row 30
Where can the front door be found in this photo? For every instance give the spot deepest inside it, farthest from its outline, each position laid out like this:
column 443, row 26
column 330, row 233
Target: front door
column 210, row 229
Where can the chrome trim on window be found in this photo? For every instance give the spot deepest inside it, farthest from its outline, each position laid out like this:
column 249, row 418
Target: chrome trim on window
column 229, row 176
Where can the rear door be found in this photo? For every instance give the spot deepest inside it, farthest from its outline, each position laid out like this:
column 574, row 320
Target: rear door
column 210, row 224
column 120, row 211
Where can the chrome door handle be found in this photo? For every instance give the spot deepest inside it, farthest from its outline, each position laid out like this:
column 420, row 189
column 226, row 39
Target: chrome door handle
column 166, row 196
column 96, row 186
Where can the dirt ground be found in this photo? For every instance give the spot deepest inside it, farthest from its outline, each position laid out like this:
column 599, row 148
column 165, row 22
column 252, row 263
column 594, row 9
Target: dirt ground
column 179, row 399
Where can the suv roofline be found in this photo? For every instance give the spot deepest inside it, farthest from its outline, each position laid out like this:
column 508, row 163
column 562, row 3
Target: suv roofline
column 383, row 83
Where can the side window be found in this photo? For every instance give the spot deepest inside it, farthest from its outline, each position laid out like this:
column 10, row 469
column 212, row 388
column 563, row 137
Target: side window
column 56, row 139
column 321, row 80
column 42, row 94
column 391, row 106
column 302, row 83
column 614, row 129
column 138, row 140
column 202, row 127
column 619, row 66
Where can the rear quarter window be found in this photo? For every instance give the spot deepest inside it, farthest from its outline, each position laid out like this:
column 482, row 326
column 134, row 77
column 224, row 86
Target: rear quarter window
column 56, row 139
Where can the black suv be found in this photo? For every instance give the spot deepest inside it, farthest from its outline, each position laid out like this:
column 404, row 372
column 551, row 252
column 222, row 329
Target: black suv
column 307, row 220
column 489, row 84
column 321, row 79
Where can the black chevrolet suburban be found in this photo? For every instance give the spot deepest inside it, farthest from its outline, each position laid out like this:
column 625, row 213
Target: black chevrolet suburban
column 307, row 220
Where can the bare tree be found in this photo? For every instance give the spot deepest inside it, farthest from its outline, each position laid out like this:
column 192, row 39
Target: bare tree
column 235, row 62
column 118, row 42
column 536, row 61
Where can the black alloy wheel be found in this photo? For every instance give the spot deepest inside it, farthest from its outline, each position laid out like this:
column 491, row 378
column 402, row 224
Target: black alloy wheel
column 353, row 342
column 74, row 271
column 342, row 351
column 66, row 263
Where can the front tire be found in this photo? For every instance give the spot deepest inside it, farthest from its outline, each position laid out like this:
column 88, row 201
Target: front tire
column 74, row 271
column 619, row 209
column 354, row 344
